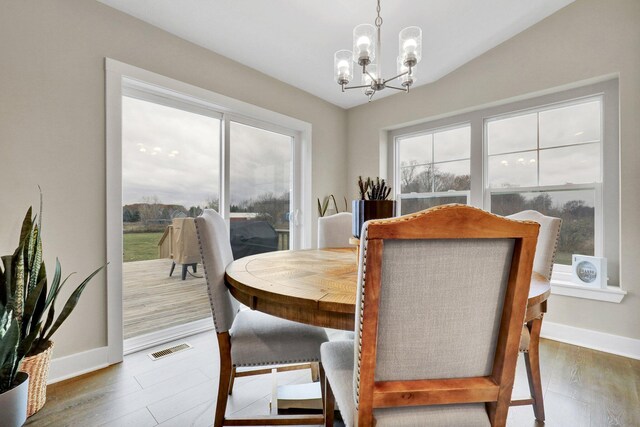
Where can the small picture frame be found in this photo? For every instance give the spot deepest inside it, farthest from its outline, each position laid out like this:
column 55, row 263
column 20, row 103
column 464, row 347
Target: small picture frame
column 589, row 271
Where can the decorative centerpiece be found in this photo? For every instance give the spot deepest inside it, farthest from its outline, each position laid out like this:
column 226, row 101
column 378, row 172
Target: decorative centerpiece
column 373, row 203
column 27, row 314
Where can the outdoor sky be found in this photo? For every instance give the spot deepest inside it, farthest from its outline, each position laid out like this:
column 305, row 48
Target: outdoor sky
column 173, row 155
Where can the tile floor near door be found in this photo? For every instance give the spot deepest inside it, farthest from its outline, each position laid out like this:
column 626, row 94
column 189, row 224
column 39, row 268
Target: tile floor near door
column 582, row 388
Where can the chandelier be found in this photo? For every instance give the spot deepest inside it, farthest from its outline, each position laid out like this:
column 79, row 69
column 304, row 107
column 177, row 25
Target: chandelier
column 366, row 49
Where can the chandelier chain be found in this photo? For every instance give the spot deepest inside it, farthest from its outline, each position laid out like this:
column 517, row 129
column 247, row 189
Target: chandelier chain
column 378, row 18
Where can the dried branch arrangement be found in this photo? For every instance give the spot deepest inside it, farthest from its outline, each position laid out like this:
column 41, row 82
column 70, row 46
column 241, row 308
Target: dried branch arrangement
column 373, row 190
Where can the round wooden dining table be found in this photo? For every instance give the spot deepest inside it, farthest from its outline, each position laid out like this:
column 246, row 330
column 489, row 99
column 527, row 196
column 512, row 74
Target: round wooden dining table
column 318, row 286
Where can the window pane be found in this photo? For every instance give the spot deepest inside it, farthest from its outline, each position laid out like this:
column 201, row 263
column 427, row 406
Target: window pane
column 170, row 169
column 260, row 168
column 576, row 208
column 570, row 125
column 452, row 176
column 414, row 205
column 512, row 134
column 416, row 179
column 513, row 170
column 416, row 150
column 570, row 165
column 452, row 144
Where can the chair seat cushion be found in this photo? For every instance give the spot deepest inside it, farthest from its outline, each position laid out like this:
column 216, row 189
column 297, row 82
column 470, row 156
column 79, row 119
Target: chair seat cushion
column 337, row 360
column 259, row 339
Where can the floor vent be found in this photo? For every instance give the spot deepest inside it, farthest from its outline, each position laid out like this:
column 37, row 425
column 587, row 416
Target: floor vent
column 169, row 351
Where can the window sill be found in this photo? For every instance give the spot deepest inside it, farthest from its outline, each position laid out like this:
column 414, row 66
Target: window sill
column 611, row 294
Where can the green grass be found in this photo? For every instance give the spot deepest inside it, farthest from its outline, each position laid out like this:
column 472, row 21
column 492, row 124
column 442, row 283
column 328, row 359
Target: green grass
column 141, row 246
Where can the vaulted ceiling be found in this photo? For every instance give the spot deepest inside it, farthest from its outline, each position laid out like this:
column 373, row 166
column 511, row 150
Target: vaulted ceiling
column 294, row 40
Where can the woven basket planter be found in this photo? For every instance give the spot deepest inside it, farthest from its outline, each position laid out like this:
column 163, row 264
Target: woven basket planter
column 37, row 367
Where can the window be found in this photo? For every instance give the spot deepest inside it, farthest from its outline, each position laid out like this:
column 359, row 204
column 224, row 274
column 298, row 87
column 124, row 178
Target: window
column 434, row 169
column 182, row 155
column 549, row 160
column 557, row 154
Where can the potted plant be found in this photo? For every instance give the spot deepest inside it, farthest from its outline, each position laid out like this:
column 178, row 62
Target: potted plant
column 373, row 203
column 14, row 385
column 31, row 301
column 324, row 206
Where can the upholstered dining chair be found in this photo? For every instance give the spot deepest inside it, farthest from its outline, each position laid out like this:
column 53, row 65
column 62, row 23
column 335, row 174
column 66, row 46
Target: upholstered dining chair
column 246, row 337
column 530, row 342
column 424, row 281
column 334, row 231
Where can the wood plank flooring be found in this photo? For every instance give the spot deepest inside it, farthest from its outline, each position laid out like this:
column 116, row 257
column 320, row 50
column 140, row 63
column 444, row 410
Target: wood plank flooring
column 153, row 301
column 582, row 388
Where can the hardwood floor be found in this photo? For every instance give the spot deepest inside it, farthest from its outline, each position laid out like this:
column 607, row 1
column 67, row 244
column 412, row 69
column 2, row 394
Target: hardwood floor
column 582, row 388
column 153, row 301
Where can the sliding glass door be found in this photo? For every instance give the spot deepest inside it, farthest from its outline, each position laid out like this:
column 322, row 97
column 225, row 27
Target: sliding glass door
column 260, row 184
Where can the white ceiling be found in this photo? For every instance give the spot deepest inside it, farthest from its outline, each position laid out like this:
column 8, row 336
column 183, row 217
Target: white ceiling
column 294, row 40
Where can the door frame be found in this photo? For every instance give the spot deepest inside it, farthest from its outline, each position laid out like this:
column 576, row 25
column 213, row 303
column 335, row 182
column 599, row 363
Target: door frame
column 117, row 76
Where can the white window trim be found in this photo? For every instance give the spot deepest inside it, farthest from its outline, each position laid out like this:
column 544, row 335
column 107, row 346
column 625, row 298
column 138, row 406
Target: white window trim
column 164, row 89
column 607, row 192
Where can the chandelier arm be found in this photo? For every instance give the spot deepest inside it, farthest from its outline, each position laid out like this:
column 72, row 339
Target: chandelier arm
column 397, row 77
column 356, row 87
column 397, row 88
column 373, row 79
column 371, row 95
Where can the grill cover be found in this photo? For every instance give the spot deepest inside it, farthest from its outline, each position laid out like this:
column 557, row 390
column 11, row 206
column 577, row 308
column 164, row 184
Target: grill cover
column 252, row 237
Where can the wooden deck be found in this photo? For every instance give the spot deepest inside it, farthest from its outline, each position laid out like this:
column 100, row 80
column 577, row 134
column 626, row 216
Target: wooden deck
column 153, row 301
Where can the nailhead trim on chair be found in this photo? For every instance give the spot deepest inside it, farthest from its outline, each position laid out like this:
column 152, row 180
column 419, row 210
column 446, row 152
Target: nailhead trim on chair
column 555, row 249
column 204, row 267
column 282, row 362
column 450, row 206
column 364, row 272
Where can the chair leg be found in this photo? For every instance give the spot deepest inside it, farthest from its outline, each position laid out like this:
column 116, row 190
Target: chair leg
column 184, row 271
column 226, row 368
column 232, row 380
column 315, row 371
column 532, row 363
column 327, row 398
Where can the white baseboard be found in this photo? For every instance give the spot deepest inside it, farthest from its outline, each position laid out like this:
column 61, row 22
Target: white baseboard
column 63, row 368
column 153, row 339
column 615, row 344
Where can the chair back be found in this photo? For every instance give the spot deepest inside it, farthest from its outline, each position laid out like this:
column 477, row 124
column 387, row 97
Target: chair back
column 547, row 240
column 215, row 251
column 334, row 231
column 441, row 300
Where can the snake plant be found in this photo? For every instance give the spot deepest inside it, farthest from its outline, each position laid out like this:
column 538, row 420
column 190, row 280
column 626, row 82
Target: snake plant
column 27, row 302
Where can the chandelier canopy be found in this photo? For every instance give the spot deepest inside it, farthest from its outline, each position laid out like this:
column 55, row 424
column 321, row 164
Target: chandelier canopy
column 366, row 49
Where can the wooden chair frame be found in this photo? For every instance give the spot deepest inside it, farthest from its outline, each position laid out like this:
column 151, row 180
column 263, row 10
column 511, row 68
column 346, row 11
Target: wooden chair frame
column 225, row 385
column 446, row 222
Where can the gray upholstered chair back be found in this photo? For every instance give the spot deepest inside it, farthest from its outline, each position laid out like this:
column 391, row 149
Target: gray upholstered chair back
column 215, row 250
column 547, row 240
column 334, row 231
column 440, row 307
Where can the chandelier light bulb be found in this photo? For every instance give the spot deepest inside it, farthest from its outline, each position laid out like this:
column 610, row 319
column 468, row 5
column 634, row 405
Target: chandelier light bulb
column 410, row 41
column 407, row 79
column 371, row 69
column 364, row 44
column 343, row 67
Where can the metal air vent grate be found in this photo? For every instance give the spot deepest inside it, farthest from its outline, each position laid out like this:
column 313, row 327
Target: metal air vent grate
column 169, row 351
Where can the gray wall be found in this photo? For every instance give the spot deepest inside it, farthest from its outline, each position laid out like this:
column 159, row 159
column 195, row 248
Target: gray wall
column 52, row 128
column 585, row 40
